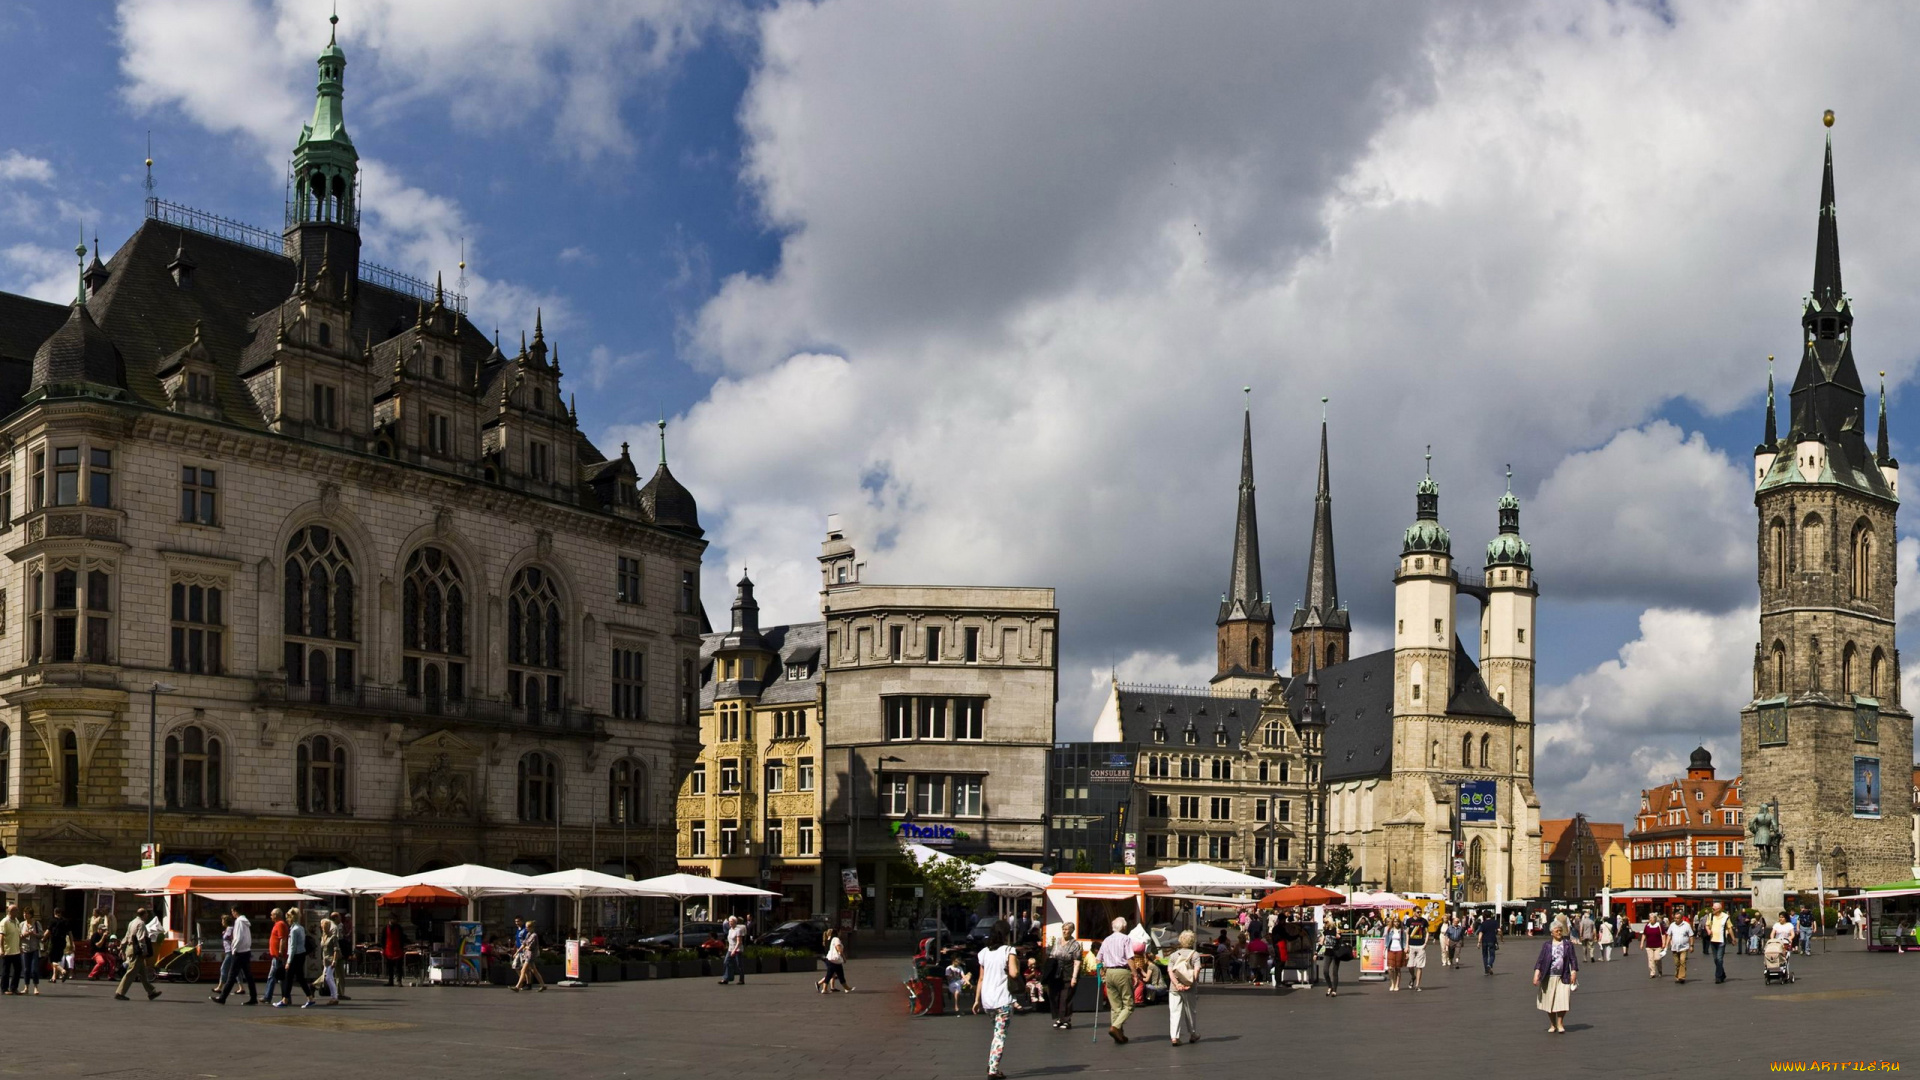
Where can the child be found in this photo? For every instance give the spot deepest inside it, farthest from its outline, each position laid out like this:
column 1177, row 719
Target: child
column 958, row 979
column 1036, row 991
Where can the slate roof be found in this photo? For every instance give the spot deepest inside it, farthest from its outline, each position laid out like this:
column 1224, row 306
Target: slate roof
column 1357, row 697
column 1175, row 711
column 795, row 642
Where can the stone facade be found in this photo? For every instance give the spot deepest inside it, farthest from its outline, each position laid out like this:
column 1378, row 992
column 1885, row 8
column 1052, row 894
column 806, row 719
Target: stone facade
column 939, row 717
column 410, row 614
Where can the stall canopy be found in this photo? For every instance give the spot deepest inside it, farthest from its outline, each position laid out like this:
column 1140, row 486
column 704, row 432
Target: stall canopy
column 1201, row 878
column 1379, row 901
column 351, row 881
column 1008, row 879
column 1294, row 896
column 421, row 896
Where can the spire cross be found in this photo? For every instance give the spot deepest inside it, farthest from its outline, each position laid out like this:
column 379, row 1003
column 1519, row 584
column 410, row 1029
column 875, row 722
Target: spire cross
column 1429, row 459
column 1509, row 479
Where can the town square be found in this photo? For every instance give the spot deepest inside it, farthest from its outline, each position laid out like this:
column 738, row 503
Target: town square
column 679, row 537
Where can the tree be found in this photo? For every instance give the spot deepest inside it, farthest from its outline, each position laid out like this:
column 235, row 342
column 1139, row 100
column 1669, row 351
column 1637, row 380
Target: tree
column 950, row 881
column 1339, row 863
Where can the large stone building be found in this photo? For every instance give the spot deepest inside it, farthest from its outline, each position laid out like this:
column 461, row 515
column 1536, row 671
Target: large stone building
column 939, row 715
column 1826, row 729
column 411, row 614
column 749, row 811
column 1407, row 726
column 1690, row 834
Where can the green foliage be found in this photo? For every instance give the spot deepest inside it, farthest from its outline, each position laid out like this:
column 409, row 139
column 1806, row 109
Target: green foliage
column 1339, row 864
column 674, row 956
column 950, row 881
column 1082, row 864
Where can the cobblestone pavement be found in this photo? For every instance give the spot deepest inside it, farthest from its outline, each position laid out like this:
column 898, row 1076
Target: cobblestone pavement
column 1847, row 1006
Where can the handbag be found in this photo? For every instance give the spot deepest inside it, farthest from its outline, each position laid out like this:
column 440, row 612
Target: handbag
column 1343, row 952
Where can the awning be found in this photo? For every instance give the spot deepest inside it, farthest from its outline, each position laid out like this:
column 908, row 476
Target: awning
column 238, row 896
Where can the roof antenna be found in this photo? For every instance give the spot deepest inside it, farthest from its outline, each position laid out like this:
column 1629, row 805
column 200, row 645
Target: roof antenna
column 80, row 260
column 460, row 283
column 148, row 183
column 663, row 444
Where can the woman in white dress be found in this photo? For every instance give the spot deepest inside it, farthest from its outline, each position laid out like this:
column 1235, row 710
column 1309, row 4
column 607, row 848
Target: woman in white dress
column 1555, row 973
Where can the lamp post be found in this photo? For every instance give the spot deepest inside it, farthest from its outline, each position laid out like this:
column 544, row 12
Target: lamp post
column 153, row 735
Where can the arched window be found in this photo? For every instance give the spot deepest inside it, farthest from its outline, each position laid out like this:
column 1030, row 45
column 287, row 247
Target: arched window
column 1466, row 751
column 1475, row 861
column 1779, row 668
column 433, row 636
column 1333, row 653
column 320, row 775
column 1485, row 742
column 194, row 780
column 1790, row 858
column 1876, row 673
column 318, row 620
column 539, row 787
column 534, row 646
column 627, row 793
column 1862, row 561
column 1777, row 552
column 1848, row 656
column 1415, row 676
column 1813, row 543
column 69, row 769
column 1433, row 755
column 1253, row 654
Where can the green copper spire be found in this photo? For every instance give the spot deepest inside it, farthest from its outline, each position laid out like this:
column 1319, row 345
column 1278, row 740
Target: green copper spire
column 325, row 164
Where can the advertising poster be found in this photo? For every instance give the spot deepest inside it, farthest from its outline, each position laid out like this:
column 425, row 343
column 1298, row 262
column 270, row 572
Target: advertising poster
column 1866, row 787
column 467, row 937
column 1372, row 952
column 573, row 958
column 1478, row 800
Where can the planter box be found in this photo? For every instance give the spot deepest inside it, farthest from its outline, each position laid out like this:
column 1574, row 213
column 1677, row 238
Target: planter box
column 687, row 969
column 553, row 973
column 810, row 964
column 633, row 969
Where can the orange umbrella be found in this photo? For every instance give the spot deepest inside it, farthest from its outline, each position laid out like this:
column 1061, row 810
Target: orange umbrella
column 1300, row 896
column 422, row 896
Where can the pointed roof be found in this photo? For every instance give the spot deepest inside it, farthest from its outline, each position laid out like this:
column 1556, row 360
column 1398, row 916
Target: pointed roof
column 1321, row 604
column 1245, row 600
column 78, row 352
column 666, row 501
column 1771, row 439
column 1826, row 250
column 1883, row 450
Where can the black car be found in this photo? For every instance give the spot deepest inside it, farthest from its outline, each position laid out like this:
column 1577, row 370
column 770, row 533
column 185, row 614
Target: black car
column 797, row 934
column 695, row 935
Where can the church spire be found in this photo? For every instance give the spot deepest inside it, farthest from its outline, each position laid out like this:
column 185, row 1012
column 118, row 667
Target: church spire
column 1826, row 252
column 1320, row 624
column 1883, row 450
column 1246, row 616
column 1772, row 438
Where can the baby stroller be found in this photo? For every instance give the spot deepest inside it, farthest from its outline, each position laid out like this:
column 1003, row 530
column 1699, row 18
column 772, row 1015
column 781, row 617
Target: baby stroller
column 1779, row 963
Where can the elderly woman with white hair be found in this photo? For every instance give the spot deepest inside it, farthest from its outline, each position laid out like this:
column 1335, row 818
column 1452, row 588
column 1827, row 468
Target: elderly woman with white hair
column 1183, row 972
column 1555, row 974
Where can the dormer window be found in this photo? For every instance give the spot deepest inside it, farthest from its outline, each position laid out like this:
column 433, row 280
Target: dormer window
column 1193, row 737
column 440, row 367
column 1159, row 734
column 325, row 334
column 539, row 400
column 1220, row 737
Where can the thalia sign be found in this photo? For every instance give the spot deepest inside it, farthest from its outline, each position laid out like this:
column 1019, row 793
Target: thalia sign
column 933, row 835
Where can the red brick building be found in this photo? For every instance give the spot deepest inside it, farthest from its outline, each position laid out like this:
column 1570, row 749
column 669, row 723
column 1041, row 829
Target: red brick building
column 1691, row 833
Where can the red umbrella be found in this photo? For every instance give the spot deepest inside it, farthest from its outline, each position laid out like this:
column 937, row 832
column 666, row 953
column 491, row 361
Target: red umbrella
column 1300, row 896
column 422, row 896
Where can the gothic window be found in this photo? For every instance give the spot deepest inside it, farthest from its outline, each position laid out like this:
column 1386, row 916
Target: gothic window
column 1253, row 654
column 1777, row 553
column 539, row 786
column 1415, row 677
column 317, row 621
column 1475, row 859
column 1862, row 562
column 1779, row 666
column 320, row 775
column 1333, row 653
column 198, row 628
column 626, row 793
column 1466, row 751
column 433, row 618
column 1848, row 658
column 1485, row 741
column 1433, row 755
column 534, row 646
column 1813, row 546
column 1876, row 673
column 193, row 775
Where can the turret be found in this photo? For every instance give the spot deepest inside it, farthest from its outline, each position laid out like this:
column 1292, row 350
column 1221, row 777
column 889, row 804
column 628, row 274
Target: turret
column 323, row 184
column 1507, row 619
column 1424, row 589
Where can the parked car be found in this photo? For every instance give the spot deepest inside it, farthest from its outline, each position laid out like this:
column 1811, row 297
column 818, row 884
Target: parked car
column 797, row 934
column 693, row 936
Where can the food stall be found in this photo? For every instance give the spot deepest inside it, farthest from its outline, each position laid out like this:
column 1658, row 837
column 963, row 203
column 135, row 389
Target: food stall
column 1893, row 916
column 196, row 901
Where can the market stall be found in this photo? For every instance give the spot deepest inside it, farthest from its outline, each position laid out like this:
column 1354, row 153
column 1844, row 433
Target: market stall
column 1893, row 916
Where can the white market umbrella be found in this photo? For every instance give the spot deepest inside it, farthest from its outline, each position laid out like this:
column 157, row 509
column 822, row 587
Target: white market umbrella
column 921, row 854
column 1381, row 901
column 259, row 871
column 18, row 873
column 681, row 886
column 1008, row 879
column 95, row 876
column 580, row 884
column 351, row 881
column 472, row 881
column 156, row 877
column 1196, row 877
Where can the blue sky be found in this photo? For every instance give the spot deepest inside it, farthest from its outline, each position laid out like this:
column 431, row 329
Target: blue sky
column 987, row 278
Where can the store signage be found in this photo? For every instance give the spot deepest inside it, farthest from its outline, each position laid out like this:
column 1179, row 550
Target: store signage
column 932, row 835
column 1478, row 800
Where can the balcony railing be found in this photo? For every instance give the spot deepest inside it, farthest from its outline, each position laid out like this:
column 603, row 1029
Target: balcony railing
column 387, row 701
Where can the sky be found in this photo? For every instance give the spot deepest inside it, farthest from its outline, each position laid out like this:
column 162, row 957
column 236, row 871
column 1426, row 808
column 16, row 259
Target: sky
column 987, row 279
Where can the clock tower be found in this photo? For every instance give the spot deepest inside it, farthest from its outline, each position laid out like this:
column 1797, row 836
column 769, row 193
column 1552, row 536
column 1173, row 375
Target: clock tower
column 1826, row 728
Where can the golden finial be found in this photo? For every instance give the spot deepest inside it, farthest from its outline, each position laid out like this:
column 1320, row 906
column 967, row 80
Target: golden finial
column 1828, row 118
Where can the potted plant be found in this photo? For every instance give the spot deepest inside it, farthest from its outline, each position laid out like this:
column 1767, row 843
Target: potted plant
column 801, row 960
column 684, row 964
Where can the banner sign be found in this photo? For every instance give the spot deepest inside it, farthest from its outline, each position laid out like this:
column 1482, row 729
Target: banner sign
column 1478, row 800
column 573, row 958
column 1866, row 787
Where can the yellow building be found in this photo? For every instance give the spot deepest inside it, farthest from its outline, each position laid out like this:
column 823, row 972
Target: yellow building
column 749, row 811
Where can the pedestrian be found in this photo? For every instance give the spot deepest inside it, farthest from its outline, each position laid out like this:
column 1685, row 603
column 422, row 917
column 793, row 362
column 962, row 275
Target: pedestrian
column 1653, row 942
column 1062, row 971
column 1719, row 928
column 60, row 947
column 226, row 959
column 734, row 965
column 277, row 955
column 837, row 965
column 1417, row 949
column 1456, row 933
column 1756, row 929
column 1680, row 943
column 31, row 935
column 1334, row 950
column 1806, row 932
column 1587, row 934
column 1396, row 954
column 998, row 966
column 330, row 960
column 527, row 957
column 296, row 967
column 1183, row 972
column 139, row 956
column 1116, row 955
column 343, row 928
column 393, row 951
column 1739, row 932
column 10, row 951
column 242, row 956
column 1555, row 973
column 1606, row 940
column 1489, row 940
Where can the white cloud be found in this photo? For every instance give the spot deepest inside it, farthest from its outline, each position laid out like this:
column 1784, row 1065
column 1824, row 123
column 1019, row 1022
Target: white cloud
column 1080, row 704
column 15, row 166
column 1629, row 723
column 43, row 273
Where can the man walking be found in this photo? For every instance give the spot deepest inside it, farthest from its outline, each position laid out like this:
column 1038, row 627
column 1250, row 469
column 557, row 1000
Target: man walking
column 239, row 963
column 1116, row 954
column 1680, row 943
column 1719, row 925
column 732, row 967
column 139, row 947
column 10, row 961
column 1586, row 934
column 1489, row 940
column 277, row 973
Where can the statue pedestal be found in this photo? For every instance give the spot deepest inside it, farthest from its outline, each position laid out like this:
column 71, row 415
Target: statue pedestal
column 1769, row 893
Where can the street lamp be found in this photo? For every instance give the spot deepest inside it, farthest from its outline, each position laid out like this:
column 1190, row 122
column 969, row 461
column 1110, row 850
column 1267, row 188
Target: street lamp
column 153, row 734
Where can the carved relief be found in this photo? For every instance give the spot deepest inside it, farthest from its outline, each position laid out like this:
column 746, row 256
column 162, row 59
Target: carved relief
column 329, row 498
column 543, row 543
column 440, row 791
